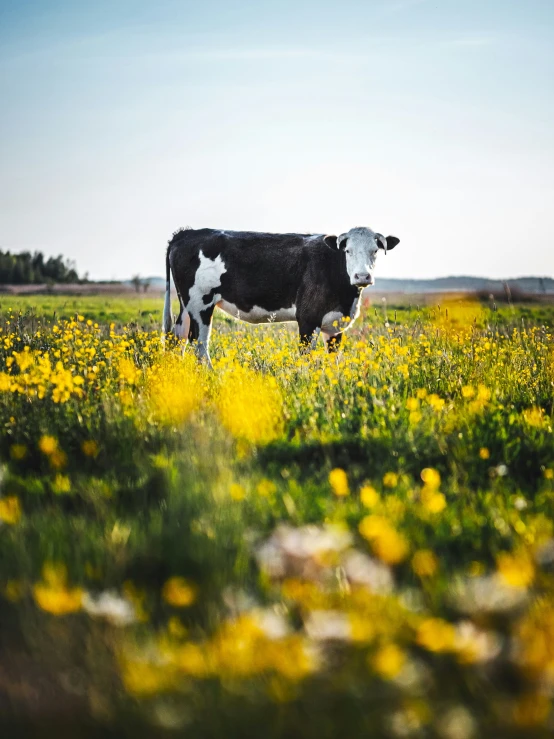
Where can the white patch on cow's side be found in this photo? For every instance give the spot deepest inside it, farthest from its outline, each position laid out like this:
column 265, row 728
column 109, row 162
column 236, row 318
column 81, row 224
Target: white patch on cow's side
column 207, row 278
column 257, row 314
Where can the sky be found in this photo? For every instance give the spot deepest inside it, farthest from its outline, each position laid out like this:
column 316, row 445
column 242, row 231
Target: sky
column 431, row 120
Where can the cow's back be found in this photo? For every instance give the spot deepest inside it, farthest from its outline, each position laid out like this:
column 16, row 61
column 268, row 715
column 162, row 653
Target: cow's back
column 256, row 269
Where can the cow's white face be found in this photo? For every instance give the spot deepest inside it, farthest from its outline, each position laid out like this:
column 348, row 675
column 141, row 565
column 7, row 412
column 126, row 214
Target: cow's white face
column 361, row 246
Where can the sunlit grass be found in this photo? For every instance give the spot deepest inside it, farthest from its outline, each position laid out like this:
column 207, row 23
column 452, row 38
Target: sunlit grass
column 359, row 542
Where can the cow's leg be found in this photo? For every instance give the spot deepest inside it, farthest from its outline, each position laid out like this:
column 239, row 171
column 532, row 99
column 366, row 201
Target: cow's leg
column 309, row 334
column 182, row 324
column 199, row 333
column 332, row 341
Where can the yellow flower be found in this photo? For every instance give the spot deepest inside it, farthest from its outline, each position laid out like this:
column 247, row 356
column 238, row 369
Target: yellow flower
column 10, row 509
column 548, row 474
column 53, row 595
column 484, row 453
column 143, row 679
column 266, row 487
column 13, row 591
column 516, row 570
column 424, row 563
column 90, row 448
column 47, row 444
column 432, row 501
column 412, row 404
column 339, row 482
column 534, row 417
column 61, row 484
column 436, row 635
column 390, row 480
column 237, row 492
column 468, row 392
column 250, row 406
column 431, row 478
column 388, row 661
column 18, row 451
column 179, row 592
column 369, row 496
column 386, row 542
column 531, row 710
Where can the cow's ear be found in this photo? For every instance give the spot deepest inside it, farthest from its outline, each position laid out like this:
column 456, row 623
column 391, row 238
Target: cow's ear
column 331, row 241
column 392, row 241
column 341, row 241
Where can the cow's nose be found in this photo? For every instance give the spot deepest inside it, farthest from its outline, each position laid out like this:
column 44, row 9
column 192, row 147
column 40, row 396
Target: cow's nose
column 363, row 278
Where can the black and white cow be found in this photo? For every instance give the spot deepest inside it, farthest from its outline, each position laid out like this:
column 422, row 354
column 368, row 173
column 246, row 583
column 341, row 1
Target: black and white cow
column 315, row 280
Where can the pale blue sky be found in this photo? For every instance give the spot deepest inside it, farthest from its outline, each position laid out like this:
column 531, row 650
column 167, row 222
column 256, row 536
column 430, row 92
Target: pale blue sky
column 429, row 119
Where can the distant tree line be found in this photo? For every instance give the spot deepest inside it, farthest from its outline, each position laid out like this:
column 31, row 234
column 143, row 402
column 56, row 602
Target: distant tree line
column 30, row 269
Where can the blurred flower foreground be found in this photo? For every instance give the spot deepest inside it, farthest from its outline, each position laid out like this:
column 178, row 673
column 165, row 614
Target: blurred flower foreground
column 357, row 544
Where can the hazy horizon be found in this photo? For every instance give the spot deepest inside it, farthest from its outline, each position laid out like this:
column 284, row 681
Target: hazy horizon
column 430, row 120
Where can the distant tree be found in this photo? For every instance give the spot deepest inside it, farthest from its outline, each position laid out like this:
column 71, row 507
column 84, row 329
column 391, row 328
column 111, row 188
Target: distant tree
column 136, row 282
column 145, row 285
column 26, row 268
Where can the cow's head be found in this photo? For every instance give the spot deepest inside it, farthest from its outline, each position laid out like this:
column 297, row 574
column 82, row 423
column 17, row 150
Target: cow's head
column 361, row 246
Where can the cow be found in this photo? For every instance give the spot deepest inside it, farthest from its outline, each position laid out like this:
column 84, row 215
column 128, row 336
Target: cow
column 313, row 279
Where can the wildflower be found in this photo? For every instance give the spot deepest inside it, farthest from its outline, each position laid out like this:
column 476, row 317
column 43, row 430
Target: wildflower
column 532, row 709
column 58, row 459
column 548, row 474
column 109, row 605
column 90, row 448
column 388, row 661
column 432, row 501
column 173, row 389
column 18, row 452
column 412, row 404
column 390, row 480
column 339, row 482
column 424, row 563
column 53, row 595
column 431, row 478
column 61, row 484
column 13, row 590
column 328, row 626
column 363, row 570
column 179, row 592
column 10, row 510
column 534, row 417
column 250, row 406
column 237, row 492
column 266, row 488
column 473, row 645
column 47, row 444
column 468, row 391
column 369, row 496
column 436, row 635
column 516, row 570
column 386, row 542
column 484, row 453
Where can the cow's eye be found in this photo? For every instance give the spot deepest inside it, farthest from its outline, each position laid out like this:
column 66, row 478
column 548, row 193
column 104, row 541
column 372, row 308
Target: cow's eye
column 347, row 251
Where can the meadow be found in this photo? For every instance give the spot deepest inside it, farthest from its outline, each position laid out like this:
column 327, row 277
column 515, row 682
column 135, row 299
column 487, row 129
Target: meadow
column 356, row 544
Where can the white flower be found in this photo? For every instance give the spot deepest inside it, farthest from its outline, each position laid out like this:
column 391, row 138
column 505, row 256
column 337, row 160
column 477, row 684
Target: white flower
column 111, row 606
column 328, row 626
column 486, row 594
column 361, row 569
column 477, row 644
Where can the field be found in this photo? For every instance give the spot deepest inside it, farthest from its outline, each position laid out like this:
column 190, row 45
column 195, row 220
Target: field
column 358, row 544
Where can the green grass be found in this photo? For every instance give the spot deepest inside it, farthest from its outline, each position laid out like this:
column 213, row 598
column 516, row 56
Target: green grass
column 197, row 486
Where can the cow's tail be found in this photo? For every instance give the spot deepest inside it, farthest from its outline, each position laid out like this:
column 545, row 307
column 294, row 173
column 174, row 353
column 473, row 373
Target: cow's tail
column 167, row 317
